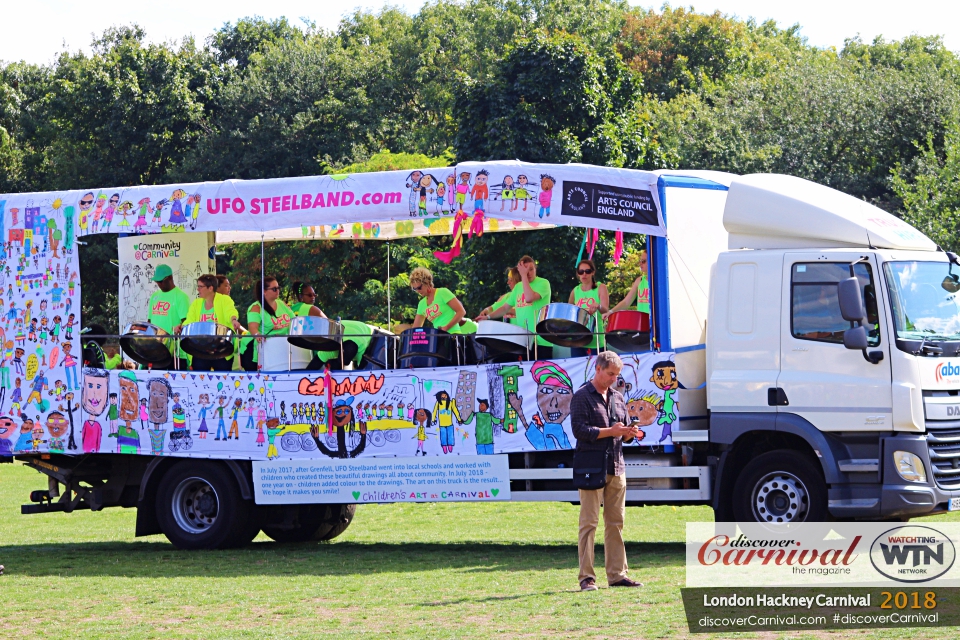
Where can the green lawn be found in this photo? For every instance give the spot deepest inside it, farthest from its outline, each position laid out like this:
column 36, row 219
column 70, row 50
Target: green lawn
column 428, row 570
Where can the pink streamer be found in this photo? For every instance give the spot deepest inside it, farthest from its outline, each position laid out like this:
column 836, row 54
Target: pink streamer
column 476, row 225
column 447, row 257
column 592, row 239
column 618, row 248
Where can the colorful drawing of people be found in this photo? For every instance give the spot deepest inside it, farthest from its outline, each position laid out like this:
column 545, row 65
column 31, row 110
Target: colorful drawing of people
column 204, row 402
column 57, row 426
column 86, row 203
column 546, row 193
column 7, row 427
column 444, row 411
column 261, row 422
column 426, row 185
column 158, row 397
column 251, row 411
column 413, row 183
column 96, row 386
column 521, row 192
column 70, row 366
column 129, row 410
column 234, row 427
column 463, row 188
column 108, row 212
column 176, row 207
column 98, row 211
column 483, row 433
column 665, row 377
column 40, row 385
column 128, row 440
column 222, row 406
column 508, row 193
column 144, row 414
column 16, row 398
column 192, row 212
column 421, row 418
column 25, row 440
column 554, row 394
column 273, row 428
column 113, row 413
column 144, row 208
column 480, row 191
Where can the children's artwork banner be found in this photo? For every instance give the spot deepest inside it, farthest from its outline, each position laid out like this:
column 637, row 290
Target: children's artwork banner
column 471, row 192
column 481, row 410
column 40, row 360
column 461, row 479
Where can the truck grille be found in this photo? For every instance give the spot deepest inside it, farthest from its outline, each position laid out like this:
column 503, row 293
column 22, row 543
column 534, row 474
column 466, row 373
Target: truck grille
column 943, row 441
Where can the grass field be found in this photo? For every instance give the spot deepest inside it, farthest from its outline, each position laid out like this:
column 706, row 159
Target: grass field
column 427, row 570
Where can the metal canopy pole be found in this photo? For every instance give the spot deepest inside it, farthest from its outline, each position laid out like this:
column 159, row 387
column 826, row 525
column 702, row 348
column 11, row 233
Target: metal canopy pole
column 389, row 317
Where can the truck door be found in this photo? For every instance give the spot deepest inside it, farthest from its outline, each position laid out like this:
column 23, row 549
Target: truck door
column 832, row 387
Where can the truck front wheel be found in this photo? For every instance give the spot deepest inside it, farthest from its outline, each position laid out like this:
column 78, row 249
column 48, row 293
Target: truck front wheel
column 199, row 507
column 780, row 487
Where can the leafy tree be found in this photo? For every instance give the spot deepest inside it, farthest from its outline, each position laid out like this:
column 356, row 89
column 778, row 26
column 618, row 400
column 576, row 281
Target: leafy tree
column 235, row 44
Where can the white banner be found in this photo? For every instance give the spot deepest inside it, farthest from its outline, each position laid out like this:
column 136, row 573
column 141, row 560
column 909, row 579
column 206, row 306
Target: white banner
column 187, row 255
column 481, row 410
column 575, row 195
column 460, row 479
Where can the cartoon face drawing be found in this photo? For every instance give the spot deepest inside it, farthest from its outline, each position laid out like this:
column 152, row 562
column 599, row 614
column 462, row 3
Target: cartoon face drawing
column 204, row 399
column 546, row 183
column 57, row 425
column 414, row 178
column 481, row 179
column 420, row 416
column 642, row 410
column 129, row 400
column 665, row 376
column 7, row 427
column 554, row 402
column 96, row 385
column 342, row 415
column 426, row 180
column 159, row 394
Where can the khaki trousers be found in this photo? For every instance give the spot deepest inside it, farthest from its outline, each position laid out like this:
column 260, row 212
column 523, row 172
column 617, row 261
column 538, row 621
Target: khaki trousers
column 613, row 497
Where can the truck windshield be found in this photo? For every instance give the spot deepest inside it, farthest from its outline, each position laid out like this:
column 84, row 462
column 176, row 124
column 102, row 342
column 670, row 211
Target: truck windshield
column 923, row 304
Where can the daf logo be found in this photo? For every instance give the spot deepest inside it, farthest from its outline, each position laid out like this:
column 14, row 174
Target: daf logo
column 912, row 554
column 953, row 410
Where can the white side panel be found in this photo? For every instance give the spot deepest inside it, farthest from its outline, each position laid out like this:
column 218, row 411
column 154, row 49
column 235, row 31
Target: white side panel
column 743, row 359
column 695, row 238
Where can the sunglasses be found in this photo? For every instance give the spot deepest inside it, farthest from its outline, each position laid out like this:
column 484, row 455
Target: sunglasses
column 584, row 272
column 86, row 202
column 271, row 289
column 416, row 288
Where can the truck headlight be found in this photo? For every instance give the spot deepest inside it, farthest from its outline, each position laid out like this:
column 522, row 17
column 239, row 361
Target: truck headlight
column 909, row 466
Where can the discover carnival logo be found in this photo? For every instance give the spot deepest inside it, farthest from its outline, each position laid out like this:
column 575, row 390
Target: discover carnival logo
column 912, row 553
column 947, row 372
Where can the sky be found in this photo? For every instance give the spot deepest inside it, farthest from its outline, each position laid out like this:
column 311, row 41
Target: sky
column 36, row 30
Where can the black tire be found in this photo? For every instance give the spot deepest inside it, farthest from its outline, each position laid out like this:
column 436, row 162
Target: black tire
column 780, row 487
column 339, row 518
column 314, row 522
column 199, row 507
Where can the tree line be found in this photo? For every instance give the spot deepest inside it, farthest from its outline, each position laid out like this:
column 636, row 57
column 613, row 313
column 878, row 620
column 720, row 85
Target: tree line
column 593, row 81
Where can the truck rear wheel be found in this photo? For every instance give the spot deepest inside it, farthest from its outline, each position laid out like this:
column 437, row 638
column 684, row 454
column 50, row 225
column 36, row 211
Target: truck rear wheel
column 199, row 506
column 780, row 487
column 314, row 522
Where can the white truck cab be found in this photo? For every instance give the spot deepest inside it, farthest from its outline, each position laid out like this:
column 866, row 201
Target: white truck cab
column 820, row 411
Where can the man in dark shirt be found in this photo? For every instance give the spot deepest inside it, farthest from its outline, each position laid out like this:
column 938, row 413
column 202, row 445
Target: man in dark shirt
column 597, row 415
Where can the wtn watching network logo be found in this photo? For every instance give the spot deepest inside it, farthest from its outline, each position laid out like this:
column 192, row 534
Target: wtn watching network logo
column 912, row 553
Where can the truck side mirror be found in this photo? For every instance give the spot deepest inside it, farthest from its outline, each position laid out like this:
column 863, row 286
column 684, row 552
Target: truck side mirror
column 855, row 338
column 851, row 302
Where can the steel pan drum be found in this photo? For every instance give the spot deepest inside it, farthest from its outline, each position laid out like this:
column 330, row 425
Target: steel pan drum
column 628, row 330
column 381, row 352
column 503, row 337
column 144, row 343
column 278, row 355
column 207, row 340
column 426, row 347
column 318, row 334
column 565, row 325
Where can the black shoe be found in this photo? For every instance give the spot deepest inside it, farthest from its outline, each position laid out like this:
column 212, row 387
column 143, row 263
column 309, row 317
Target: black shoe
column 588, row 584
column 627, row 582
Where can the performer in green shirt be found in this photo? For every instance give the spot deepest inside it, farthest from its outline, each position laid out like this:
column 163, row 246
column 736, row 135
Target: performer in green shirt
column 275, row 321
column 211, row 306
column 639, row 291
column 306, row 298
column 593, row 298
column 439, row 306
column 169, row 305
column 513, row 278
column 530, row 295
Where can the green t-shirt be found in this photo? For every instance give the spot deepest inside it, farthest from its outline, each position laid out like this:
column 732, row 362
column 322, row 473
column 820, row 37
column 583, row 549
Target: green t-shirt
column 359, row 332
column 484, row 431
column 527, row 312
column 167, row 310
column 580, row 298
column 643, row 295
column 302, row 309
column 278, row 325
column 468, row 326
column 440, row 313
